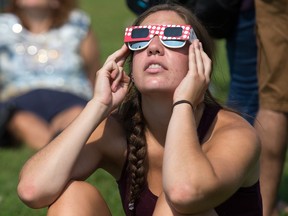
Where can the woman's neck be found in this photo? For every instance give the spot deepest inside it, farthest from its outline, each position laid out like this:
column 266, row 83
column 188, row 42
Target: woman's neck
column 37, row 21
column 157, row 115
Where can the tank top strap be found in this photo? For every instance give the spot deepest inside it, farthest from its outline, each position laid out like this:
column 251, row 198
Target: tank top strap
column 209, row 114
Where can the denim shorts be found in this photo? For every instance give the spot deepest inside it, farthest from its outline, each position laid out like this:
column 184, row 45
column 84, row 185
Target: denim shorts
column 45, row 103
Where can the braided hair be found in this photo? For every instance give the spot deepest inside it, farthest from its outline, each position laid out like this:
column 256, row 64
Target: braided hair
column 131, row 111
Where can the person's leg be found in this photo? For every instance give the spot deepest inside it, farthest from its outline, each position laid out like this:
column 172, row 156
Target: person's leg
column 35, row 131
column 272, row 129
column 64, row 118
column 242, row 59
column 36, row 122
column 30, row 129
column 162, row 208
column 272, row 43
column 79, row 199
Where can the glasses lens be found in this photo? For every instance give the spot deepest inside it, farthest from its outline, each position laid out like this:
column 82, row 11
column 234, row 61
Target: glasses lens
column 140, row 33
column 174, row 43
column 138, row 45
column 173, row 32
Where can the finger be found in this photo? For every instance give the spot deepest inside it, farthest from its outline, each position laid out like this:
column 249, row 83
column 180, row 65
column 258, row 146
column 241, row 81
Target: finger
column 112, row 71
column 206, row 62
column 121, row 80
column 119, row 56
column 116, row 79
column 199, row 60
column 125, row 52
column 192, row 59
column 111, row 67
column 113, row 56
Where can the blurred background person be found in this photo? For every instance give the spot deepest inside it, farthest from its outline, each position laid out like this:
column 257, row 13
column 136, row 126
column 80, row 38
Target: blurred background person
column 233, row 21
column 241, row 50
column 3, row 4
column 272, row 35
column 48, row 60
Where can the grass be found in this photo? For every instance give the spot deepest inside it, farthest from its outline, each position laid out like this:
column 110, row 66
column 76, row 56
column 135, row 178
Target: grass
column 11, row 161
column 108, row 24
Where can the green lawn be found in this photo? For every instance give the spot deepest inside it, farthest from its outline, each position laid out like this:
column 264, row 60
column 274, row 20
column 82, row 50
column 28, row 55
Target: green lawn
column 108, row 23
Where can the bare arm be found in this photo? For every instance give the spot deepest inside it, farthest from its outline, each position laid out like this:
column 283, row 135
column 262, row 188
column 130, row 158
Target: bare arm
column 45, row 175
column 198, row 178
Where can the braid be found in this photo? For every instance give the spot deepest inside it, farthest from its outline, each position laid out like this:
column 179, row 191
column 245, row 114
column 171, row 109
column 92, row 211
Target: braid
column 134, row 124
column 131, row 110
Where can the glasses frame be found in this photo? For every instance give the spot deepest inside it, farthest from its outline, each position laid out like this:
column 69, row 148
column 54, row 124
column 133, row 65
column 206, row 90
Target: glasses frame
column 188, row 34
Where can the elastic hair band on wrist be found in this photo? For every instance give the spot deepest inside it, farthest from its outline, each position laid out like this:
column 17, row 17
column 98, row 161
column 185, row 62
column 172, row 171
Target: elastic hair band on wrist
column 183, row 101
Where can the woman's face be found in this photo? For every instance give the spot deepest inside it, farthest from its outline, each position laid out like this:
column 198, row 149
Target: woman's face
column 158, row 68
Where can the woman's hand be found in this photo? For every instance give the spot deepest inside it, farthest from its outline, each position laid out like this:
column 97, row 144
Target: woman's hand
column 111, row 80
column 196, row 82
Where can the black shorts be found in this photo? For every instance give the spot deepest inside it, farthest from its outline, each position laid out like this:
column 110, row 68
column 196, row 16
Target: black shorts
column 45, row 103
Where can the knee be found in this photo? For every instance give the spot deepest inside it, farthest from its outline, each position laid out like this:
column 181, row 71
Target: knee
column 64, row 118
column 79, row 198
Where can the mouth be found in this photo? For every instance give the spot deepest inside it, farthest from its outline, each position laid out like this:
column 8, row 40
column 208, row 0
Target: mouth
column 154, row 67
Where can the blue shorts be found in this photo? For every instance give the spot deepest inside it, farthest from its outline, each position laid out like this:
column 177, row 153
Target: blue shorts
column 45, row 103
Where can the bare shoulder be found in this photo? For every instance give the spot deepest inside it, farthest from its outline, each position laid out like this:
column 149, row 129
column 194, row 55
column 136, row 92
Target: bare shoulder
column 110, row 139
column 234, row 127
column 229, row 120
column 109, row 128
column 232, row 140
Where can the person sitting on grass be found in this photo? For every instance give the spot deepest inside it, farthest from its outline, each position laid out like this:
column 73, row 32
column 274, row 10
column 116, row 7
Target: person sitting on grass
column 48, row 59
column 171, row 147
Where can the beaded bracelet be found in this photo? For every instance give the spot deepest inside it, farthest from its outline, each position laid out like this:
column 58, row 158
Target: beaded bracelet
column 183, row 101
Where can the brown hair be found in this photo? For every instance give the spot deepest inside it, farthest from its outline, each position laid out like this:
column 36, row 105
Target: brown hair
column 60, row 14
column 131, row 110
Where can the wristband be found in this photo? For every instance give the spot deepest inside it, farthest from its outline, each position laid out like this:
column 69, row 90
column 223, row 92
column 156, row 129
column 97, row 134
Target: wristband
column 183, row 101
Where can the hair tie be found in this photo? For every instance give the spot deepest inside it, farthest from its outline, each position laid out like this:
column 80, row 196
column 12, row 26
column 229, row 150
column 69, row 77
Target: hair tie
column 183, row 101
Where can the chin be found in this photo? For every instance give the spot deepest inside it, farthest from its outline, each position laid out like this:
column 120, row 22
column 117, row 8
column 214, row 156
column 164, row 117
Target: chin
column 156, row 85
column 156, row 90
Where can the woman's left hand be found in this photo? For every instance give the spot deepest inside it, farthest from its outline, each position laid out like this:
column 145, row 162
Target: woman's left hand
column 196, row 82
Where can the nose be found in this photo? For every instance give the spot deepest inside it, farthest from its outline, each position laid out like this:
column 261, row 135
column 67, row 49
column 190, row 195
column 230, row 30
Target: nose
column 155, row 47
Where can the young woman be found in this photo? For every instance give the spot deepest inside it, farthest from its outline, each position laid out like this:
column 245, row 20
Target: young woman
column 172, row 149
column 48, row 59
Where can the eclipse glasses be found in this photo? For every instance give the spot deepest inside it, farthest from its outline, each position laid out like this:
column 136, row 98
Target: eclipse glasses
column 171, row 36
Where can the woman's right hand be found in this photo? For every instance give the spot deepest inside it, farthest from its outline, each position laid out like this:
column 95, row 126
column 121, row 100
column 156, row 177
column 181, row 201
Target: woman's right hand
column 197, row 79
column 111, row 80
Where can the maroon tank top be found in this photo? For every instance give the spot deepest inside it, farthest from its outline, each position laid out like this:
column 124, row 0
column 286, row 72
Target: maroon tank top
column 244, row 202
